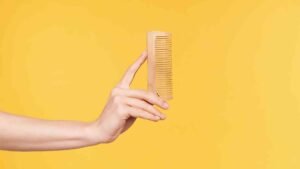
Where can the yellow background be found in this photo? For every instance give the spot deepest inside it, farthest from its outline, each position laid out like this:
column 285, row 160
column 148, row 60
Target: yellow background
column 236, row 80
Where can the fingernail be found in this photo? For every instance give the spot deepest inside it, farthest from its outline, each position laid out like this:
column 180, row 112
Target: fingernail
column 165, row 105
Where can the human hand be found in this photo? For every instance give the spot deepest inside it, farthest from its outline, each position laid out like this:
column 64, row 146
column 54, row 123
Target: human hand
column 125, row 105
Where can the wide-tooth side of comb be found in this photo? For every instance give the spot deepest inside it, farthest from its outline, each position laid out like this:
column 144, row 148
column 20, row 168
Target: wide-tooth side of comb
column 159, row 46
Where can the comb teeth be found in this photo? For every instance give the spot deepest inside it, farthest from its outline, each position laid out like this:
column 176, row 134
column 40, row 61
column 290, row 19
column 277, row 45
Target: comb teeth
column 160, row 64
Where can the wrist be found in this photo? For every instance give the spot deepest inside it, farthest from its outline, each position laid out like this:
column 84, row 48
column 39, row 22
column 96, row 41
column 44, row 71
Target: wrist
column 93, row 133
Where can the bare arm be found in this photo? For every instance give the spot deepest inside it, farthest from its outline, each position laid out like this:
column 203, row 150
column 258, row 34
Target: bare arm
column 124, row 105
column 24, row 133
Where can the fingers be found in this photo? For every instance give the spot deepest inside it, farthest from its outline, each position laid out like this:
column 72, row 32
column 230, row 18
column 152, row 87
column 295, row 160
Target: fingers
column 130, row 73
column 139, row 113
column 147, row 96
column 137, row 106
column 140, row 104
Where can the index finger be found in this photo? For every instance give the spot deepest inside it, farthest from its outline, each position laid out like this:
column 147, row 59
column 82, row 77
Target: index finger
column 130, row 73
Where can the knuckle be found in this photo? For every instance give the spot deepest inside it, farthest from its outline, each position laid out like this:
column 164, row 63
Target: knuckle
column 161, row 102
column 117, row 99
column 115, row 91
column 157, row 112
column 149, row 107
column 120, row 110
column 152, row 117
column 155, row 98
column 131, row 70
column 151, row 95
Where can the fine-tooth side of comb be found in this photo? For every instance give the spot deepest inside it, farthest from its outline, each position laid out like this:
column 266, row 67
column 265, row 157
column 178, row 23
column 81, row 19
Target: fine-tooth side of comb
column 159, row 46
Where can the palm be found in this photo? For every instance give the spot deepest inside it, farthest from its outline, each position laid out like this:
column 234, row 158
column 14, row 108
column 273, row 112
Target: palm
column 129, row 122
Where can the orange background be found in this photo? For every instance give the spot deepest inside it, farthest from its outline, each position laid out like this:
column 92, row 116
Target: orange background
column 236, row 79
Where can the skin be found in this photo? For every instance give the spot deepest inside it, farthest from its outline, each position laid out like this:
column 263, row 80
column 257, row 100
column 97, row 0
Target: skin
column 124, row 106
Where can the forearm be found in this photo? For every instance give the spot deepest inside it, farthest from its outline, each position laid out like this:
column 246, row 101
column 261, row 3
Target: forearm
column 28, row 134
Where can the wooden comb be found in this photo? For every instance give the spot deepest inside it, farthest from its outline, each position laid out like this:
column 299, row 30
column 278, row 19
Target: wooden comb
column 159, row 48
